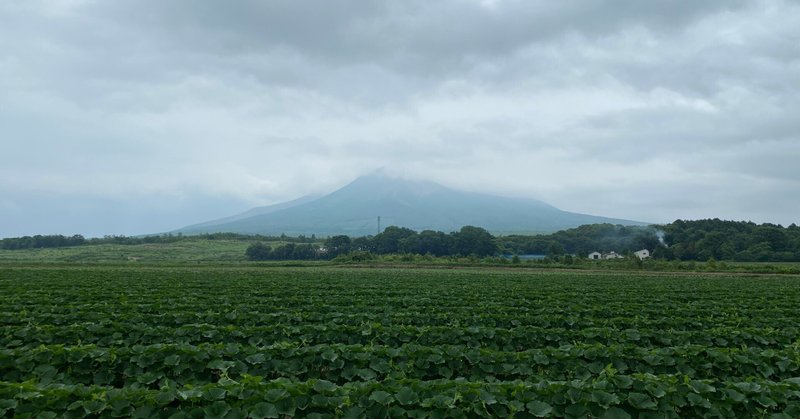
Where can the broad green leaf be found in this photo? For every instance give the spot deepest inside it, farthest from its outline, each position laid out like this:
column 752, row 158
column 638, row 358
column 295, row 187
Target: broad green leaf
column 214, row 393
column 143, row 412
column 766, row 401
column 735, row 395
column 697, row 400
column 275, row 394
column 701, row 387
column 264, row 410
column 255, row 359
column 7, row 404
column 325, row 386
column 217, row 410
column 576, row 410
column 381, row 397
column 616, row 413
column 633, row 334
column 406, row 396
column 366, row 374
column 354, row 412
column 166, row 397
column 189, row 393
column 641, row 401
column 329, row 355
column 539, row 409
column 487, row 397
column 603, row 398
column 94, row 406
column 220, row 364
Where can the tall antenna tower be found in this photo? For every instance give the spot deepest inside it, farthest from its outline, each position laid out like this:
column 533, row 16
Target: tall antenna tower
column 379, row 224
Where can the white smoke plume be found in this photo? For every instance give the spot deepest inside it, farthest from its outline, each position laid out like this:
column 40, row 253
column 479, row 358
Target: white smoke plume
column 660, row 234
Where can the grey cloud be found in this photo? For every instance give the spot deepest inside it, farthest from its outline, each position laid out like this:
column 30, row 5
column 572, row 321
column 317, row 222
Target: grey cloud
column 354, row 29
column 403, row 47
column 646, row 110
column 421, row 38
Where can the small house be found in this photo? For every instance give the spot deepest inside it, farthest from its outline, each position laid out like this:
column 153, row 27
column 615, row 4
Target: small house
column 595, row 256
column 642, row 254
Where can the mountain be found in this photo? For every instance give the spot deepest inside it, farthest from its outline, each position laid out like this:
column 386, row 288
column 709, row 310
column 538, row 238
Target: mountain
column 203, row 227
column 420, row 205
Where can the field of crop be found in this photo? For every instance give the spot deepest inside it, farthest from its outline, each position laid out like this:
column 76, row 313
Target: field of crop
column 336, row 342
column 186, row 251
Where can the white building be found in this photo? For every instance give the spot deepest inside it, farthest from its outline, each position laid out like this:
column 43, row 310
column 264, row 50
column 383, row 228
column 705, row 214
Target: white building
column 642, row 254
column 595, row 256
column 613, row 255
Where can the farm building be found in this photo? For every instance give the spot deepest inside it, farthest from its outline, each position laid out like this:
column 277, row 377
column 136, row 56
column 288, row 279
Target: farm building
column 642, row 254
column 612, row 255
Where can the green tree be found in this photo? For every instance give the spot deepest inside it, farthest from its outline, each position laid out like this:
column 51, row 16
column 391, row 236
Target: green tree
column 555, row 248
column 471, row 240
column 258, row 251
column 389, row 240
column 338, row 245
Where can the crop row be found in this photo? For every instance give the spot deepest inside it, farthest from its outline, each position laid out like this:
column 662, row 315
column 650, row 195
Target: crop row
column 616, row 396
column 562, row 293
column 241, row 317
column 616, row 298
column 187, row 364
column 290, row 298
column 515, row 339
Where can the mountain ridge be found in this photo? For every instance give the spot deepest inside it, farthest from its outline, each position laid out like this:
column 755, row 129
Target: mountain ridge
column 417, row 204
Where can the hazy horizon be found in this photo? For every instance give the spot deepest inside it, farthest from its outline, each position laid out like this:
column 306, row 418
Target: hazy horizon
column 140, row 117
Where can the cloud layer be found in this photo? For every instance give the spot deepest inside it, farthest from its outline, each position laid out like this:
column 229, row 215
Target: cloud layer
column 129, row 117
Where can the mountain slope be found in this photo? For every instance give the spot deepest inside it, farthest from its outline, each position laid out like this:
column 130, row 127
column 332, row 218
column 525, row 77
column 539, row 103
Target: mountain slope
column 208, row 226
column 353, row 210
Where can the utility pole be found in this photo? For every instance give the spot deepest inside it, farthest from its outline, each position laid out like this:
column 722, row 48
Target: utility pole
column 379, row 224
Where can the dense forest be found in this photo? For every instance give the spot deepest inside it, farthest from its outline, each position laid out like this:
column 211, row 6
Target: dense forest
column 730, row 240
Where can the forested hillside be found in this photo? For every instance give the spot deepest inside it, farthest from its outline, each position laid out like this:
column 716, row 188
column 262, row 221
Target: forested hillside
column 730, row 240
column 583, row 240
column 681, row 240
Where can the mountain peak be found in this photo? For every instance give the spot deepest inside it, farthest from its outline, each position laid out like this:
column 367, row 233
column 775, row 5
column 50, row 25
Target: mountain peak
column 382, row 182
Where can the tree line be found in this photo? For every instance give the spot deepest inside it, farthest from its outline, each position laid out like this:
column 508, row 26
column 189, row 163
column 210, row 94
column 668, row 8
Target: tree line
column 698, row 240
column 468, row 241
column 39, row 241
column 58, row 240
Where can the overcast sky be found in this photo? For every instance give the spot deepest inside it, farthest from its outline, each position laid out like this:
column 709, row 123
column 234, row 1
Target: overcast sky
column 130, row 117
